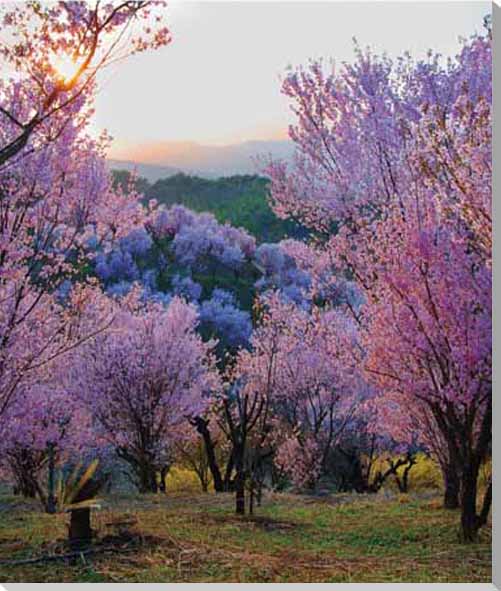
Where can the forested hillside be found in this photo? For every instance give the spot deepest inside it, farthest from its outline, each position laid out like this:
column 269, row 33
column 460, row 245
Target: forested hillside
column 240, row 200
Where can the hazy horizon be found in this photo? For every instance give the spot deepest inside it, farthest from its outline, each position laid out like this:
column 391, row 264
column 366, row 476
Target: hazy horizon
column 199, row 159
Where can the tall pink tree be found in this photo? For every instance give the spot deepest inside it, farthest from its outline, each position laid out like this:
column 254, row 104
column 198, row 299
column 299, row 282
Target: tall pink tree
column 55, row 192
column 429, row 334
column 392, row 170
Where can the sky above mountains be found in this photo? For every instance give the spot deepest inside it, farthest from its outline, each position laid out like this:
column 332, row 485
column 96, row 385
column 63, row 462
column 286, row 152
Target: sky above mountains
column 201, row 102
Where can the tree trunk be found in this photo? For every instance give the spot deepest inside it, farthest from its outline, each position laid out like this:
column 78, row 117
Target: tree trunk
column 238, row 458
column 143, row 467
column 147, row 480
column 403, row 483
column 251, row 499
column 451, row 488
column 227, row 484
column 259, row 495
column 467, row 451
column 25, row 486
column 469, row 507
column 471, row 522
column 153, row 484
column 163, row 475
column 202, row 426
column 240, row 493
column 80, row 533
column 51, row 497
column 486, row 506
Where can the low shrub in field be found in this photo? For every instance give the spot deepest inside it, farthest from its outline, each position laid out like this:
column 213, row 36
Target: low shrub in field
column 485, row 475
column 182, row 480
column 424, row 475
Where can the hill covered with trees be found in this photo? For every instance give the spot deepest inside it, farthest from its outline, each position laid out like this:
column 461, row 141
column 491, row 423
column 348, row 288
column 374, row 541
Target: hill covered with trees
column 240, row 200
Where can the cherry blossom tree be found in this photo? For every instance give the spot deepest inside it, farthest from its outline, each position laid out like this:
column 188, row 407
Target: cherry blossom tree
column 392, row 170
column 197, row 240
column 291, row 395
column 182, row 253
column 56, row 51
column 245, row 408
column 221, row 318
column 317, row 384
column 43, row 425
column 55, row 193
column 37, row 327
column 429, row 333
column 142, row 380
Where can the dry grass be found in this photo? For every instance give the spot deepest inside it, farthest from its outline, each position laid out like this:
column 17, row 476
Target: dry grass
column 197, row 538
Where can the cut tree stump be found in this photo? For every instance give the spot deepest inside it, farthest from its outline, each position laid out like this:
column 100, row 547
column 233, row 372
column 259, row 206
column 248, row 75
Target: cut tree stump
column 80, row 533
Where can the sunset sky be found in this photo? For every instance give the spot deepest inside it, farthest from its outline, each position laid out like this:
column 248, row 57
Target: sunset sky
column 219, row 81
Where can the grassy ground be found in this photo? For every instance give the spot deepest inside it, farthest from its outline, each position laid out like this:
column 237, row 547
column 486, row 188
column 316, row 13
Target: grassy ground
column 196, row 538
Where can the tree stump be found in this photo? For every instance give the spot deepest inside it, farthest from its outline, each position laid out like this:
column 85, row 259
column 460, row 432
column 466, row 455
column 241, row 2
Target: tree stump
column 80, row 532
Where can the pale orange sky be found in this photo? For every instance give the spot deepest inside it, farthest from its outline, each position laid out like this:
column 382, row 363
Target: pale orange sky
column 219, row 81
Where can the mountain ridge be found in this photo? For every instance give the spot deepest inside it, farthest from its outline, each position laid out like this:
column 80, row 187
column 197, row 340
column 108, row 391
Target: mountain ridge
column 163, row 159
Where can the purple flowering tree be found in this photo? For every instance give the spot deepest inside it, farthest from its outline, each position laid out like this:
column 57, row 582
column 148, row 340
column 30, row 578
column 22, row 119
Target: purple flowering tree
column 141, row 381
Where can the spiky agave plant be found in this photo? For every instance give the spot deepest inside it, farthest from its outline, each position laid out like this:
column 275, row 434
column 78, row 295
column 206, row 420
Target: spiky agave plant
column 77, row 494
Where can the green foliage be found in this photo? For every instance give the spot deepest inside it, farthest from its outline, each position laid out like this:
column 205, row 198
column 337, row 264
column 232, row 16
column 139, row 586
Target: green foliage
column 240, row 200
column 122, row 178
column 74, row 491
column 182, row 480
column 424, row 475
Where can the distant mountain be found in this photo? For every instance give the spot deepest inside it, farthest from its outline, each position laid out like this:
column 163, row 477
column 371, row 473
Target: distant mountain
column 151, row 172
column 163, row 159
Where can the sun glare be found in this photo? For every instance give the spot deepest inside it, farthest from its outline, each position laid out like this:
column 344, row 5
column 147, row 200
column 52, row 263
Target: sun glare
column 65, row 66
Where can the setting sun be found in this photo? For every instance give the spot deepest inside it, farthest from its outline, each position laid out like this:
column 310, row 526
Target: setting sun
column 65, row 66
